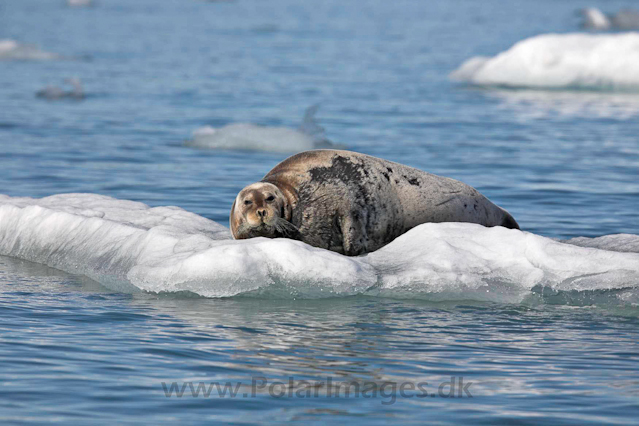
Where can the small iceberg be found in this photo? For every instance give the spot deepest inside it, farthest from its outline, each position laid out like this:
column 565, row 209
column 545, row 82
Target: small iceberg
column 12, row 50
column 55, row 93
column 560, row 61
column 253, row 137
column 595, row 19
column 129, row 246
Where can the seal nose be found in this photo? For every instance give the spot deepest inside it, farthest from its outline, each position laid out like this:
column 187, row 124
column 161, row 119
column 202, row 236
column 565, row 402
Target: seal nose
column 262, row 213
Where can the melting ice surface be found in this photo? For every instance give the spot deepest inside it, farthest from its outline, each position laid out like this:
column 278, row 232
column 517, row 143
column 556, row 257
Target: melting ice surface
column 12, row 50
column 580, row 61
column 129, row 246
column 247, row 136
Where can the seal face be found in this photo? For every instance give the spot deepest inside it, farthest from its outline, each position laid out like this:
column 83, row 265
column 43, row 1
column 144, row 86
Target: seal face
column 261, row 210
column 353, row 203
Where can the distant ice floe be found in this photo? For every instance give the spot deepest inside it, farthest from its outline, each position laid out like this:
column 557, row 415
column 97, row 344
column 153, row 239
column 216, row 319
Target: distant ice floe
column 79, row 3
column 12, row 50
column 55, row 93
column 247, row 136
column 595, row 19
column 560, row 61
column 129, row 246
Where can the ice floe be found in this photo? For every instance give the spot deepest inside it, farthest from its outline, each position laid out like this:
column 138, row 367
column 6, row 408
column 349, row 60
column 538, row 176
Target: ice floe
column 595, row 19
column 247, row 136
column 128, row 246
column 560, row 61
column 12, row 50
column 55, row 93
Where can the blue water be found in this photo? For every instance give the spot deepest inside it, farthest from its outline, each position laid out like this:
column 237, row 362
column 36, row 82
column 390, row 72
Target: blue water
column 565, row 164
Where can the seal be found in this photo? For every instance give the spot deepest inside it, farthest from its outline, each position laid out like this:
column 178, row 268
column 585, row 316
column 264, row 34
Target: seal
column 354, row 203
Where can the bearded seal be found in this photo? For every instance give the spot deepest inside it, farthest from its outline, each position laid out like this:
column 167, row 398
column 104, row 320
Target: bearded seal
column 354, row 203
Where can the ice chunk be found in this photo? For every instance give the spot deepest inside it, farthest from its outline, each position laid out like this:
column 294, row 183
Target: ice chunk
column 579, row 61
column 247, row 136
column 595, row 19
column 56, row 93
column 129, row 246
column 79, row 3
column 12, row 50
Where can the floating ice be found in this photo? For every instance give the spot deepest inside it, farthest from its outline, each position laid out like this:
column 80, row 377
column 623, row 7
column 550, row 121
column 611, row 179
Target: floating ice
column 579, row 61
column 54, row 93
column 595, row 19
column 247, row 136
column 129, row 246
column 79, row 3
column 625, row 19
column 12, row 50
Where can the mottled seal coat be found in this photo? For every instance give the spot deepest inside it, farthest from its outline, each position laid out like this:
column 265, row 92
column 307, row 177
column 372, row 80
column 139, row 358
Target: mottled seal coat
column 353, row 203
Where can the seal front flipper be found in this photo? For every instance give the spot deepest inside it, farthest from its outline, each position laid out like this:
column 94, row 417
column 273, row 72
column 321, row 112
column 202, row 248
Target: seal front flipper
column 353, row 233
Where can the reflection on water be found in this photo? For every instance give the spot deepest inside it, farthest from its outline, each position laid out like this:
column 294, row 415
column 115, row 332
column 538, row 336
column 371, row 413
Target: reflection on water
column 541, row 104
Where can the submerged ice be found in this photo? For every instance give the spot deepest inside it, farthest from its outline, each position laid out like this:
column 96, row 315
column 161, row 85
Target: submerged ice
column 12, row 50
column 129, row 246
column 580, row 61
column 253, row 137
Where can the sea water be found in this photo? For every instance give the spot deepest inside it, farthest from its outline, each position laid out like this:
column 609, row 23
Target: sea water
column 147, row 300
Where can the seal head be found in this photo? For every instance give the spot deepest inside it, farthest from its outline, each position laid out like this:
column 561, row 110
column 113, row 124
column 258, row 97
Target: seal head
column 261, row 210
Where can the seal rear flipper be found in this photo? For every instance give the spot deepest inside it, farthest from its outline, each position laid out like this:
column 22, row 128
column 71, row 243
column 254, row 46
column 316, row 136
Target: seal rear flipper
column 509, row 221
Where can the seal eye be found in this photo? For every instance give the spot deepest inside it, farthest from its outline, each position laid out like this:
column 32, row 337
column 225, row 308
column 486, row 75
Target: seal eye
column 270, row 198
column 248, row 202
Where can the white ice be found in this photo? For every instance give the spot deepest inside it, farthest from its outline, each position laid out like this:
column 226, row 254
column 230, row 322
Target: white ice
column 595, row 19
column 55, row 92
column 12, row 50
column 79, row 3
column 625, row 19
column 129, row 246
column 555, row 61
column 618, row 242
column 253, row 137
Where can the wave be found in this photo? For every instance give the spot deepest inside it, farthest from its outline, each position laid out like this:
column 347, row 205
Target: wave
column 560, row 61
column 12, row 50
column 253, row 137
column 129, row 246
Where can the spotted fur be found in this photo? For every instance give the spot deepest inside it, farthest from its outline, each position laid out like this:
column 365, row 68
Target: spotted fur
column 353, row 203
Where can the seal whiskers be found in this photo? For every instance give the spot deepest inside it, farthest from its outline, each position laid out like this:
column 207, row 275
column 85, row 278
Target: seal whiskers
column 286, row 228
